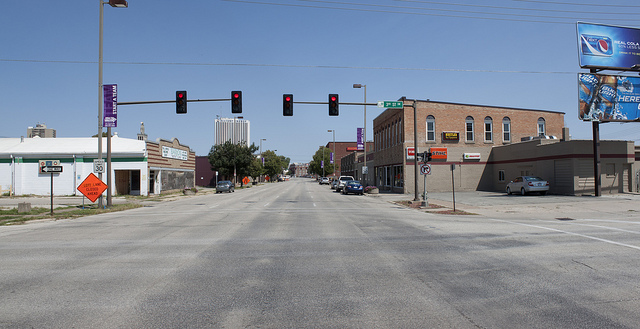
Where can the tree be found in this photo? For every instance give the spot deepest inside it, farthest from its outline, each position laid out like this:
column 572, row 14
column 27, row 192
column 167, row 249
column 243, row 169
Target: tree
column 228, row 158
column 315, row 166
column 274, row 164
column 256, row 169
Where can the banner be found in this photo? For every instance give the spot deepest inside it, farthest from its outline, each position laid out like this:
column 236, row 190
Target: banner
column 110, row 117
column 608, row 97
column 608, row 47
column 360, row 139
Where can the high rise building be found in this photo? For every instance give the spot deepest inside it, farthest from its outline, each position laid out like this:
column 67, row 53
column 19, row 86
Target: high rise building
column 235, row 130
column 41, row 131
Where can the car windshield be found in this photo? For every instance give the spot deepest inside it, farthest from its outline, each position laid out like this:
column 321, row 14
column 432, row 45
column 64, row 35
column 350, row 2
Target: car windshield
column 222, row 183
column 533, row 179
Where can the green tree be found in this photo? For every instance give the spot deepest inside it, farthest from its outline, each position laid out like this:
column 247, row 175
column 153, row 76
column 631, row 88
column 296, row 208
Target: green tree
column 256, row 169
column 315, row 166
column 227, row 157
column 274, row 164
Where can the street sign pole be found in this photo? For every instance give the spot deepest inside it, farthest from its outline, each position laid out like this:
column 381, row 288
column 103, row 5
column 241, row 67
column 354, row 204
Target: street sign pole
column 52, row 193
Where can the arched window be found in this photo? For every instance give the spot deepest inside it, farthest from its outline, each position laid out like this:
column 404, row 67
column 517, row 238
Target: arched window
column 506, row 130
column 488, row 129
column 542, row 129
column 469, row 129
column 431, row 128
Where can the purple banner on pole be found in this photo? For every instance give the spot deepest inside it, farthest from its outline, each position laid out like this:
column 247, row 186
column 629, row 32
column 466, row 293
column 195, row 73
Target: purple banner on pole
column 331, row 158
column 322, row 164
column 360, row 139
column 110, row 117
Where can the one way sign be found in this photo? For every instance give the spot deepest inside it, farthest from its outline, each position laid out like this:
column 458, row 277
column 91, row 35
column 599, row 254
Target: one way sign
column 51, row 169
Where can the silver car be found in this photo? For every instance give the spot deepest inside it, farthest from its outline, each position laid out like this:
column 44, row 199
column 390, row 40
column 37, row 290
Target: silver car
column 528, row 184
column 225, row 186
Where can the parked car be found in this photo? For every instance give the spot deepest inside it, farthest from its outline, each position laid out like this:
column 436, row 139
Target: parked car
column 528, row 184
column 341, row 181
column 324, row 180
column 334, row 184
column 225, row 186
column 353, row 186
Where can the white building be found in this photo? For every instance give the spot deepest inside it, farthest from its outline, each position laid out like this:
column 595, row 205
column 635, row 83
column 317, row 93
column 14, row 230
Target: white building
column 20, row 165
column 235, row 130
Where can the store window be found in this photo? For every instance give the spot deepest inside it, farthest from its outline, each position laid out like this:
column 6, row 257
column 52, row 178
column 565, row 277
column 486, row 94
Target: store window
column 501, row 176
column 506, row 130
column 469, row 129
column 431, row 128
column 398, row 176
column 542, row 129
column 488, row 129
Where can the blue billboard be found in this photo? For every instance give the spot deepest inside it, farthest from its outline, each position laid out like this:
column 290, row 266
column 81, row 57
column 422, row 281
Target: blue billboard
column 608, row 97
column 608, row 47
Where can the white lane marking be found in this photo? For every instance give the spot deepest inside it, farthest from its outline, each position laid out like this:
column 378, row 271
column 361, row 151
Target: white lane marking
column 570, row 233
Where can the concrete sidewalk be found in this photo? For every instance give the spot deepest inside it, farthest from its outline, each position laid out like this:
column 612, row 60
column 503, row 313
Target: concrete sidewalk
column 501, row 205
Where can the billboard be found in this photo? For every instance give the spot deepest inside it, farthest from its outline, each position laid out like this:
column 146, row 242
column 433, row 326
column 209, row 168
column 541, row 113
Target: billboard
column 608, row 97
column 608, row 47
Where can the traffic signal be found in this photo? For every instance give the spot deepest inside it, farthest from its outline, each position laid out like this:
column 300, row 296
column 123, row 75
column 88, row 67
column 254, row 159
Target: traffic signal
column 287, row 105
column 236, row 102
column 181, row 101
column 427, row 156
column 333, row 104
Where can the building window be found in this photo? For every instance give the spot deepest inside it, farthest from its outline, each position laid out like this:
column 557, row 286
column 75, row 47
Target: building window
column 431, row 128
column 500, row 175
column 506, row 130
column 488, row 129
column 541, row 127
column 398, row 177
column 469, row 129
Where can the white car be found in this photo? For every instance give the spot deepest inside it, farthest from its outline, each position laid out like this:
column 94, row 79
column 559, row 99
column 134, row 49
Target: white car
column 341, row 181
column 527, row 184
column 324, row 180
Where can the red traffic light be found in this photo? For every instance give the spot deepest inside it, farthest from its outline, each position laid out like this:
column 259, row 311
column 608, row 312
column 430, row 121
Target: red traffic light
column 236, row 95
column 333, row 98
column 287, row 98
column 180, row 95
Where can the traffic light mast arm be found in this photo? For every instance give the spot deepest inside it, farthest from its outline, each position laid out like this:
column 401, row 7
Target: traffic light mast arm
column 188, row 101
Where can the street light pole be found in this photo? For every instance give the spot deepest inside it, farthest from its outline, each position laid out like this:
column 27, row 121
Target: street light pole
column 334, row 150
column 261, row 158
column 118, row 4
column 364, row 175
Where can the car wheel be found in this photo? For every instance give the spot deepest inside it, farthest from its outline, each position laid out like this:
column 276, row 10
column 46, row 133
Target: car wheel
column 522, row 191
column 508, row 191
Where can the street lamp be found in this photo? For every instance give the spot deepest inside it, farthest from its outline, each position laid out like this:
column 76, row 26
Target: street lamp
column 365, row 168
column 334, row 151
column 116, row 4
column 261, row 158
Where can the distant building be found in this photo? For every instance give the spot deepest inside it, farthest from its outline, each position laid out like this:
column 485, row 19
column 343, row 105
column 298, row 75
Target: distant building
column 235, row 130
column 41, row 131
column 299, row 169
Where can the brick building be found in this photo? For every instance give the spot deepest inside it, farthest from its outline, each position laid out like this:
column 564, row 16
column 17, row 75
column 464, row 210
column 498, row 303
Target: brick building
column 465, row 133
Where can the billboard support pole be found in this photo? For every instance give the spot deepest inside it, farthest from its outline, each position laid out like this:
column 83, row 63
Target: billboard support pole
column 597, row 187
column 596, row 158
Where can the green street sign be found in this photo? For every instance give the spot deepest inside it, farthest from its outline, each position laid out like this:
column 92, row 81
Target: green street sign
column 391, row 104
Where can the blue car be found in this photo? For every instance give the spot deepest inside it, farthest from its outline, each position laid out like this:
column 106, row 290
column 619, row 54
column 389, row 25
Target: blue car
column 353, row 186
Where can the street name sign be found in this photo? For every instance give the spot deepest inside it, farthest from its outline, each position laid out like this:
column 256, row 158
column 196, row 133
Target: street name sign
column 51, row 169
column 391, row 104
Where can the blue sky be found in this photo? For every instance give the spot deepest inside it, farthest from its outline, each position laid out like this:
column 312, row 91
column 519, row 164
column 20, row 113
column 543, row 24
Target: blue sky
column 512, row 53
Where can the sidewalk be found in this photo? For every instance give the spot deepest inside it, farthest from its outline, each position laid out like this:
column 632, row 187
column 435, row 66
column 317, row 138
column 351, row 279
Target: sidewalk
column 501, row 205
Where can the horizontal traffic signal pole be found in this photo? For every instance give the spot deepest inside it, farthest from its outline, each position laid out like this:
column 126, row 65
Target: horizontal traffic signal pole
column 188, row 101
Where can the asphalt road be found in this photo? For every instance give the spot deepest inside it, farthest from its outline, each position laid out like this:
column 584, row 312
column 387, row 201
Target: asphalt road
column 297, row 255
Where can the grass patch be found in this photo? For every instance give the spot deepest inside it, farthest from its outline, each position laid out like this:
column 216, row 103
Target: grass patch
column 12, row 217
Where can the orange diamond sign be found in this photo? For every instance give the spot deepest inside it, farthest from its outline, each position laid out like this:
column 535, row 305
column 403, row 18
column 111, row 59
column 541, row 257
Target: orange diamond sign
column 92, row 187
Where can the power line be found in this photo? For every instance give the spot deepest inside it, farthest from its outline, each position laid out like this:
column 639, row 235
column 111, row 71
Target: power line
column 517, row 8
column 429, row 14
column 578, row 4
column 288, row 66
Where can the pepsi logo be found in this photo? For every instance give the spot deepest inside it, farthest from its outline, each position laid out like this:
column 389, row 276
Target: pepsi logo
column 603, row 46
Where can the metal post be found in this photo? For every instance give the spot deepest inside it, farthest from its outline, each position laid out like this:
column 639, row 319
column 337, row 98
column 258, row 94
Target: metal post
column 415, row 151
column 52, row 193
column 109, row 167
column 100, row 92
column 596, row 158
